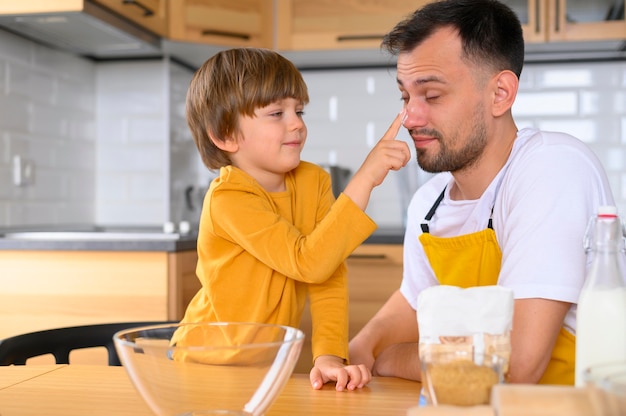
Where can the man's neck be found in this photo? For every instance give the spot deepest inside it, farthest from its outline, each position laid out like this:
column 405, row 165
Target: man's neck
column 471, row 183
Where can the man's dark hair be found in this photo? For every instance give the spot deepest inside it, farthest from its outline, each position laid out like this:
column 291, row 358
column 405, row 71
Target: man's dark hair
column 490, row 32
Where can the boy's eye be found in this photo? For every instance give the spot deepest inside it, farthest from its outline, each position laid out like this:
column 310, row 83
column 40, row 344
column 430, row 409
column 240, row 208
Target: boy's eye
column 300, row 113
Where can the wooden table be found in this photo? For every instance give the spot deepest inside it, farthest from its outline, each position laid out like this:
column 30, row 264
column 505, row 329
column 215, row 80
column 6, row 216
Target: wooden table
column 66, row 390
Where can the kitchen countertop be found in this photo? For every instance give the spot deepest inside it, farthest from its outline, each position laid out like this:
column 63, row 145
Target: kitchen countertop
column 147, row 239
column 387, row 235
column 95, row 238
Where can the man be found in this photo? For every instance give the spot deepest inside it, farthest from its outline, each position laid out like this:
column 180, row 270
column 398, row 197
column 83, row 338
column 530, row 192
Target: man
column 508, row 207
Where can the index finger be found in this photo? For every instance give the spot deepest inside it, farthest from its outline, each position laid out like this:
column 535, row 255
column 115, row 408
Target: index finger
column 393, row 130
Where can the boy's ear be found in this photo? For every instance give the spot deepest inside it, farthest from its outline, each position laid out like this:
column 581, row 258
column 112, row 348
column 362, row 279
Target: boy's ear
column 228, row 144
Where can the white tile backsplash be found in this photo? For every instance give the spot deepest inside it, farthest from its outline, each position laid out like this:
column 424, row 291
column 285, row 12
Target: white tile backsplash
column 15, row 113
column 585, row 130
column 564, row 78
column 111, row 146
column 133, row 153
column 545, row 104
column 47, row 116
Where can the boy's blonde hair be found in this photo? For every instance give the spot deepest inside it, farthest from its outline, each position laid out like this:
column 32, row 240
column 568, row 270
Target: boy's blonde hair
column 233, row 82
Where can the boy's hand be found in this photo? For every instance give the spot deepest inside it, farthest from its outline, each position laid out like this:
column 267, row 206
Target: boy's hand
column 388, row 154
column 331, row 368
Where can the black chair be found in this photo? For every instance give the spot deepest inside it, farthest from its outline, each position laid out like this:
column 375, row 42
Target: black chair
column 61, row 341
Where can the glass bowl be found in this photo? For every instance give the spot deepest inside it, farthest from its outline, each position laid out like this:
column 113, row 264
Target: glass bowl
column 460, row 378
column 209, row 368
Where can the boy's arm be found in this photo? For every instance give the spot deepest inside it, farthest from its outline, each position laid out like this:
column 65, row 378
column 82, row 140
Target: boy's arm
column 328, row 303
column 329, row 312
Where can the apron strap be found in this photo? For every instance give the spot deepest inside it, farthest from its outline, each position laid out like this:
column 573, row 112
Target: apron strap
column 429, row 216
column 425, row 225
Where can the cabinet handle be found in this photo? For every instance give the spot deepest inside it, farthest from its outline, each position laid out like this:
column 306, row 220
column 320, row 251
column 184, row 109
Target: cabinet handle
column 538, row 17
column 557, row 18
column 348, row 38
column 242, row 36
column 146, row 10
column 368, row 256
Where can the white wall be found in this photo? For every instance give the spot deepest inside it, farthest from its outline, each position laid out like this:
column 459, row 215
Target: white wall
column 110, row 144
column 145, row 153
column 100, row 136
column 47, row 116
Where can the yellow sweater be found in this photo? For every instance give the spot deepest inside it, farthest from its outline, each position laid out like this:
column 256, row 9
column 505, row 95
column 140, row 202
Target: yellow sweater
column 261, row 254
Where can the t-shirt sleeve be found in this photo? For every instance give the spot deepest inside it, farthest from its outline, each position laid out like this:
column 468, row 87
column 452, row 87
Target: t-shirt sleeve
column 544, row 207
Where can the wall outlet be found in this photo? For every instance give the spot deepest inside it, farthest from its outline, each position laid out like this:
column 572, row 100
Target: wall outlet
column 23, row 171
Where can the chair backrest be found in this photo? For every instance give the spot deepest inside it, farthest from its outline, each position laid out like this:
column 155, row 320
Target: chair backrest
column 61, row 341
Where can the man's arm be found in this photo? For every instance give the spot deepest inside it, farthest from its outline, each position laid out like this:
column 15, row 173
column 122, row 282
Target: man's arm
column 399, row 360
column 394, row 323
column 536, row 325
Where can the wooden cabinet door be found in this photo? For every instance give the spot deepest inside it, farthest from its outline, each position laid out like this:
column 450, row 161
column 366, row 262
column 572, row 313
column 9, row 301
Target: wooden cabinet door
column 182, row 282
column 48, row 289
column 532, row 15
column 149, row 14
column 584, row 20
column 222, row 22
column 570, row 20
column 374, row 273
column 338, row 24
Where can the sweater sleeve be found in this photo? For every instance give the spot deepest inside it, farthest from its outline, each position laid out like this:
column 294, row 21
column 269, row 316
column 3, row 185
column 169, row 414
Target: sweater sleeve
column 329, row 315
column 248, row 218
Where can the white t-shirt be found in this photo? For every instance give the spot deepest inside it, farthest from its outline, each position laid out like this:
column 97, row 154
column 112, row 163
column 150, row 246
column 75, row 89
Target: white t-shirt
column 543, row 198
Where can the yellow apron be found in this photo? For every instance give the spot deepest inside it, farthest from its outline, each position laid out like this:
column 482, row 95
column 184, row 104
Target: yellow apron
column 475, row 260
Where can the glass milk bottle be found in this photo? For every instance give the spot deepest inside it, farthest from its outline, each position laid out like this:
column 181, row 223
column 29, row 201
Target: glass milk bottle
column 601, row 315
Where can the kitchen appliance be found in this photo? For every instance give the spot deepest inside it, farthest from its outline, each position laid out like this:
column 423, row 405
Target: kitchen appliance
column 339, row 176
column 88, row 29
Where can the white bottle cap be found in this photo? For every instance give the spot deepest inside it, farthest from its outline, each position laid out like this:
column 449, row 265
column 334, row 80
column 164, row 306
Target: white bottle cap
column 607, row 210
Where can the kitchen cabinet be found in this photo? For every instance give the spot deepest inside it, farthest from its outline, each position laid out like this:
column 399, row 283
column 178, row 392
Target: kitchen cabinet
column 570, row 20
column 337, row 24
column 374, row 273
column 182, row 282
column 54, row 288
column 301, row 25
column 222, row 22
column 149, row 14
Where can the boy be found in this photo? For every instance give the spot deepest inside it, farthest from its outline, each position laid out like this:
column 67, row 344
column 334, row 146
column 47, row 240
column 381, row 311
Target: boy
column 271, row 232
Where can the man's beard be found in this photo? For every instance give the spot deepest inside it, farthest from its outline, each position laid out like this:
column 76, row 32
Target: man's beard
column 448, row 160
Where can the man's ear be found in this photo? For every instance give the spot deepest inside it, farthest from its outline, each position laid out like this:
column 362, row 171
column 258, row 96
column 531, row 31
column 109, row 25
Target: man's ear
column 505, row 91
column 228, row 144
